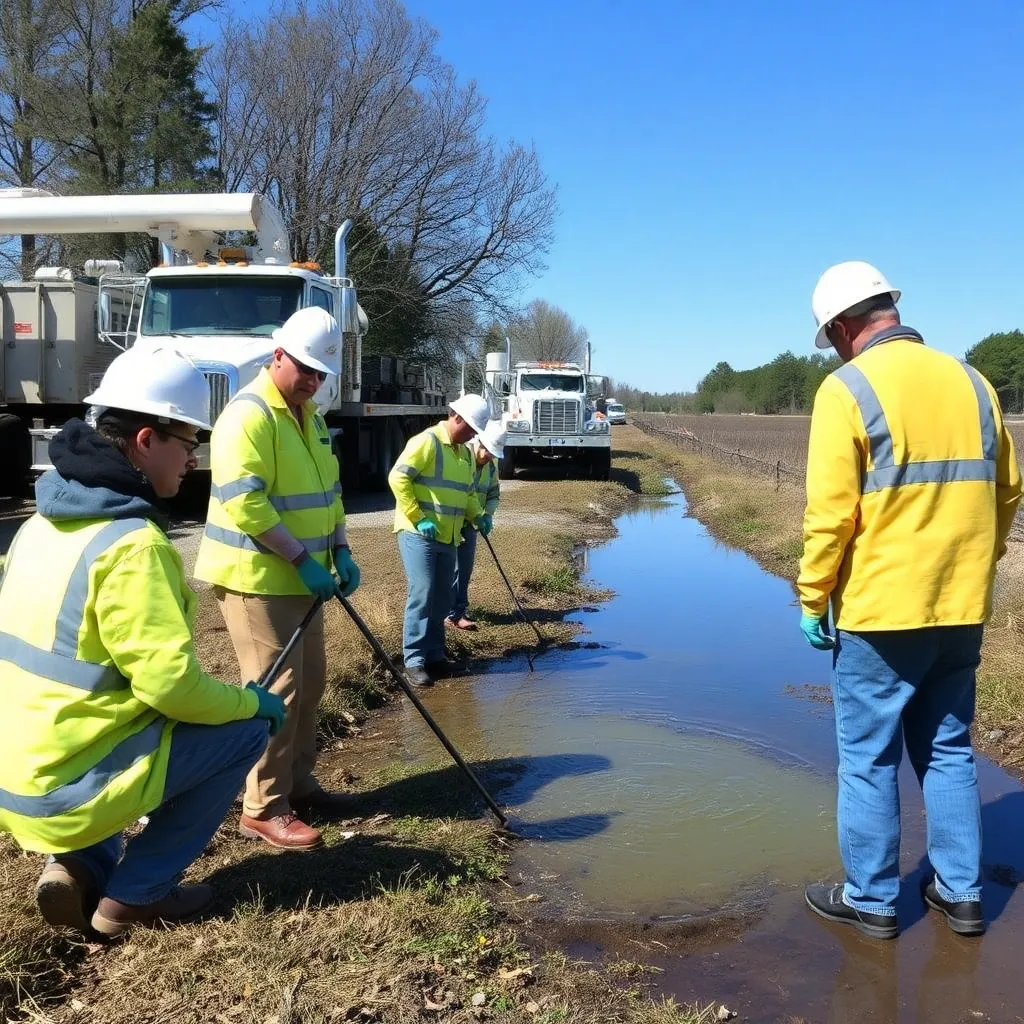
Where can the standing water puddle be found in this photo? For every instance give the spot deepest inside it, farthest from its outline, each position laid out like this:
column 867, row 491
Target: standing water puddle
column 680, row 769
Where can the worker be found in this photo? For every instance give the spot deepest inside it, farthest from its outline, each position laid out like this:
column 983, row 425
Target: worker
column 107, row 715
column 485, row 449
column 907, row 513
column 274, row 539
column 434, row 496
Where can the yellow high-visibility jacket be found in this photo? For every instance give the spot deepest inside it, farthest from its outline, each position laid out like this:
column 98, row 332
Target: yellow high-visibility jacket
column 434, row 479
column 267, row 470
column 912, row 485
column 96, row 666
column 488, row 487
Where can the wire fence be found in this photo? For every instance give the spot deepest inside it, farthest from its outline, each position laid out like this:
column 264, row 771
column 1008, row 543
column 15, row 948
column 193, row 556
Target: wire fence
column 685, row 438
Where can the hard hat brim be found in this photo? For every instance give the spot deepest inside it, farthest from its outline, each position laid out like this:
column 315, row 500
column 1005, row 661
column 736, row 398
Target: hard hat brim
column 157, row 409
column 495, row 450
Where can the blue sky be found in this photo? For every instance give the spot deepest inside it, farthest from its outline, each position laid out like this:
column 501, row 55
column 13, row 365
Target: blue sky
column 713, row 158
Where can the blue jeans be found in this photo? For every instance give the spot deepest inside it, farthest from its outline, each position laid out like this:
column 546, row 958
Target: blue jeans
column 464, row 556
column 429, row 569
column 207, row 767
column 914, row 686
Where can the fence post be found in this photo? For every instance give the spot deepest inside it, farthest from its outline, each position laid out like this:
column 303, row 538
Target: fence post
column 778, row 474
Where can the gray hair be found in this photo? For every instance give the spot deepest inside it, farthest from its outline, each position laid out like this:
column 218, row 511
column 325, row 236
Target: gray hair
column 878, row 307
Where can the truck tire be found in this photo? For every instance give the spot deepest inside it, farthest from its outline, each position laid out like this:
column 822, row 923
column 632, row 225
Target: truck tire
column 507, row 465
column 15, row 456
column 601, row 463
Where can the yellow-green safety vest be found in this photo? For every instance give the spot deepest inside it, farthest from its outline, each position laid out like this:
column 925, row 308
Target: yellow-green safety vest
column 488, row 489
column 267, row 470
column 434, row 479
column 96, row 665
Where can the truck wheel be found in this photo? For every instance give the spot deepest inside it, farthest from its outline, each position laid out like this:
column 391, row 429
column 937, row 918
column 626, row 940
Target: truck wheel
column 507, row 465
column 15, row 456
column 601, row 464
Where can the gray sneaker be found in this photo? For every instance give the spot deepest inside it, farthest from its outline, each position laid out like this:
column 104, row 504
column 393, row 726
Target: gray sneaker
column 418, row 675
column 965, row 918
column 826, row 900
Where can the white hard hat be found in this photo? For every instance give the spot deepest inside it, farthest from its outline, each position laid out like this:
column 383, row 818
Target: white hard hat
column 473, row 409
column 841, row 287
column 160, row 381
column 493, row 438
column 312, row 336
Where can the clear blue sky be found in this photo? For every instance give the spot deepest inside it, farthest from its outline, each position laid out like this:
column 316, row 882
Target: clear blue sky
column 713, row 158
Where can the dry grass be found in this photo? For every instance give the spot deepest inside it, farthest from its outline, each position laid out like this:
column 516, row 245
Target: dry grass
column 402, row 915
column 747, row 510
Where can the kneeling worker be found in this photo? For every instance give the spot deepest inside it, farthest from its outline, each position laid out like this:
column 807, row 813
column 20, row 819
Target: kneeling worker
column 486, row 448
column 434, row 495
column 275, row 530
column 107, row 715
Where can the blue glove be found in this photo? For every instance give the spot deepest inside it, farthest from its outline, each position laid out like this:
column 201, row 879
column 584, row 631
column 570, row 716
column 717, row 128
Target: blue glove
column 814, row 632
column 485, row 524
column 427, row 528
column 320, row 582
column 347, row 570
column 271, row 708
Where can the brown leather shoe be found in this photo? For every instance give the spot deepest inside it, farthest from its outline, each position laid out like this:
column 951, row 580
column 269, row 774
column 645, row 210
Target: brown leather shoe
column 321, row 801
column 182, row 904
column 463, row 623
column 66, row 895
column 284, row 831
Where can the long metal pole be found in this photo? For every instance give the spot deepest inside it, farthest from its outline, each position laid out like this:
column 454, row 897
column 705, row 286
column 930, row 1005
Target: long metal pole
column 275, row 670
column 515, row 600
column 399, row 678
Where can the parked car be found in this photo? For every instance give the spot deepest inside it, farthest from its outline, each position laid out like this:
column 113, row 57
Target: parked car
column 616, row 412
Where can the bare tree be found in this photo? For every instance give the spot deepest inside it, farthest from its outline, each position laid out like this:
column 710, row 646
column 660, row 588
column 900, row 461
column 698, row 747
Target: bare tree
column 545, row 332
column 357, row 116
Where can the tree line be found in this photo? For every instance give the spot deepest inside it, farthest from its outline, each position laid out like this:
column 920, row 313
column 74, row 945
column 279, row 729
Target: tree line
column 789, row 383
column 332, row 108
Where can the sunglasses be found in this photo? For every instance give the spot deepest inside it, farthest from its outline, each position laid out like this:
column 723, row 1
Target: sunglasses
column 190, row 446
column 306, row 371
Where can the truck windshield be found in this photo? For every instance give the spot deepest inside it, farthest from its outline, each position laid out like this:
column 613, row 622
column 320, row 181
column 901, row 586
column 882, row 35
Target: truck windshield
column 551, row 382
column 222, row 305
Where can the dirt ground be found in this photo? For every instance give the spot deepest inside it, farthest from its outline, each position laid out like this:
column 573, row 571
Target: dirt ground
column 405, row 913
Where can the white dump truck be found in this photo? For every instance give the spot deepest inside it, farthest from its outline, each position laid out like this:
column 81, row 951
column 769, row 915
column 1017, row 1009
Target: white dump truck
column 550, row 411
column 216, row 303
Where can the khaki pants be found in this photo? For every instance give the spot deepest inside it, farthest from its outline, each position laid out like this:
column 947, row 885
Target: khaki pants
column 259, row 628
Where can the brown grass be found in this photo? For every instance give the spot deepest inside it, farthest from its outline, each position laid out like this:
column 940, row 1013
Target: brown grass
column 407, row 917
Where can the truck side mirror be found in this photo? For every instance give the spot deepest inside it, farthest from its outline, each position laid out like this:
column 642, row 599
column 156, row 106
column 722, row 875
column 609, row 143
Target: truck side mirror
column 103, row 313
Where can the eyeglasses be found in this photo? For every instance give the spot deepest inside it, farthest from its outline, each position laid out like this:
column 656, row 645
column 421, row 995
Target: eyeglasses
column 306, row 371
column 190, row 446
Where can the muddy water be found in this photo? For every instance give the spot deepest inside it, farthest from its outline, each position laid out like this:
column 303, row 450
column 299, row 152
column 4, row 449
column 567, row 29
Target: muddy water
column 686, row 767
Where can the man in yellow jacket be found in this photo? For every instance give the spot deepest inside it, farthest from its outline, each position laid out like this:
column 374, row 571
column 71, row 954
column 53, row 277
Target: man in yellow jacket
column 435, row 494
column 912, row 485
column 274, row 539
column 107, row 715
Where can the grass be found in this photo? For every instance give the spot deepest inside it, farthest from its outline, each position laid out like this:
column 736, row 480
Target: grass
column 404, row 914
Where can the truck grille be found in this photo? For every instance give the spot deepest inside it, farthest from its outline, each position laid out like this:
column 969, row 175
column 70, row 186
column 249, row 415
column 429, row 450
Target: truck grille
column 556, row 416
column 220, row 392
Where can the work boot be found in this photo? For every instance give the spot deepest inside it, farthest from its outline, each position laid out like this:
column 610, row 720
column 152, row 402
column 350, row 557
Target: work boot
column 321, row 801
column 826, row 900
column 284, row 831
column 418, row 676
column 964, row 918
column 443, row 668
column 182, row 904
column 67, row 894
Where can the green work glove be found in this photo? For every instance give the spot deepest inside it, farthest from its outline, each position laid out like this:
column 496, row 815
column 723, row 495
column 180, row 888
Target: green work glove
column 320, row 582
column 485, row 524
column 347, row 570
column 814, row 632
column 271, row 708
column 427, row 528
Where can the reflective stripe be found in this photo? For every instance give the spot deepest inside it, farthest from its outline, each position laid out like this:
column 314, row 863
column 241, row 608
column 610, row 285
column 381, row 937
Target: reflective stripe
column 871, row 412
column 941, row 471
column 298, row 502
column 82, row 675
column 243, row 485
column 237, row 539
column 247, row 396
column 989, row 441
column 337, row 489
column 885, row 473
column 72, row 609
column 406, row 470
column 441, row 510
column 89, row 785
column 437, row 478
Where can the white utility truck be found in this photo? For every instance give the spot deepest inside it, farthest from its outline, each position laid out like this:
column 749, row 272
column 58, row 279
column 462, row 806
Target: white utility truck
column 548, row 411
column 218, row 304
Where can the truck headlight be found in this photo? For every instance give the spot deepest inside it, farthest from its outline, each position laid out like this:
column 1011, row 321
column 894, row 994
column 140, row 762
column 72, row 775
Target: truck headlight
column 596, row 426
column 518, row 426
